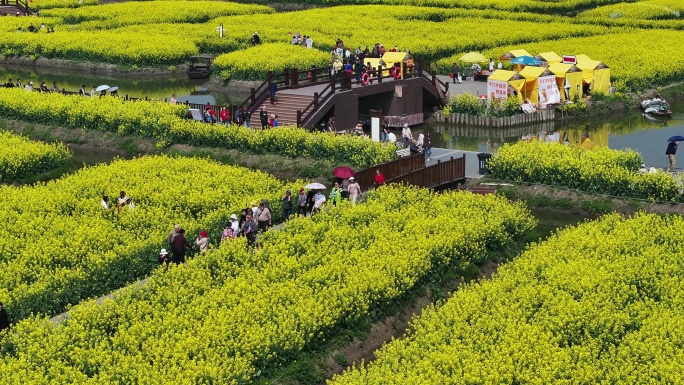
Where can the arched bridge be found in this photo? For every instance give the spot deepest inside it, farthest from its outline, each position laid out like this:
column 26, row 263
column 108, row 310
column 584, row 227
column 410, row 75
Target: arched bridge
column 307, row 98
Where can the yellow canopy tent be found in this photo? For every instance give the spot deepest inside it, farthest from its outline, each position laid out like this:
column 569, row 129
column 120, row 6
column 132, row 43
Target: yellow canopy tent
column 375, row 63
column 550, row 57
column 514, row 53
column 391, row 58
column 568, row 77
column 596, row 74
column 582, row 58
column 510, row 77
column 587, row 67
column 531, row 88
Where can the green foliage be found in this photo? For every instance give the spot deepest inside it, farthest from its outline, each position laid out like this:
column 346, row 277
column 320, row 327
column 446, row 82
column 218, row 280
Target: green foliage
column 467, row 103
column 509, row 107
column 578, row 107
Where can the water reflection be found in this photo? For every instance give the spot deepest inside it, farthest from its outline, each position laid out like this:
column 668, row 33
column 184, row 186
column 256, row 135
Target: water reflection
column 627, row 130
column 151, row 86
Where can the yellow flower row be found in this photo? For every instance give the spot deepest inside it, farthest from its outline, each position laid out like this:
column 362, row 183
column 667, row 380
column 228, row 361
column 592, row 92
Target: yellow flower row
column 59, row 246
column 142, row 27
column 164, row 121
column 596, row 304
column 224, row 316
column 115, row 15
column 20, row 156
column 254, row 63
column 602, row 170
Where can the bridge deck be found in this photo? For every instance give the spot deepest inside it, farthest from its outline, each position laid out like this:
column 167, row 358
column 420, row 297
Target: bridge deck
column 309, row 90
column 472, row 166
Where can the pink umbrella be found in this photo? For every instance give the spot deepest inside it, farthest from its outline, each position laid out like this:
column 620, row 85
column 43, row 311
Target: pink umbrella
column 343, row 172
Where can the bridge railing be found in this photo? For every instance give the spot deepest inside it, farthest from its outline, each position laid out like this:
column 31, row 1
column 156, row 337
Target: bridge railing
column 453, row 170
column 21, row 4
column 391, row 170
column 290, row 78
column 346, row 80
column 412, row 170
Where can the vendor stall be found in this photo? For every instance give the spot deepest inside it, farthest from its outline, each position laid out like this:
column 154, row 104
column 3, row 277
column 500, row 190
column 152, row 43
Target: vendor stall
column 513, row 53
column 549, row 57
column 404, row 59
column 540, row 83
column 568, row 78
column 594, row 73
column 376, row 62
column 499, row 82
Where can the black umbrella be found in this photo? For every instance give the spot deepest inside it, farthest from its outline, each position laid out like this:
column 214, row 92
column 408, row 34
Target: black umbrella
column 676, row 138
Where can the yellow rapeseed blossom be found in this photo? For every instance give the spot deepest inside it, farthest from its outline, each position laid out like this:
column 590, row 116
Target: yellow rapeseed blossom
column 224, row 316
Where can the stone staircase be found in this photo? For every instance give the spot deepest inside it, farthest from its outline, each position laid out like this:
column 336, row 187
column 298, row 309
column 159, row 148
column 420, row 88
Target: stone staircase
column 286, row 108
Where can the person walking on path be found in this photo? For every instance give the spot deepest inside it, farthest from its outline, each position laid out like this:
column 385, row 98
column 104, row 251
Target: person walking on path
column 670, row 152
column 287, row 204
column 263, row 115
column 250, row 230
column 163, row 257
column 354, row 190
column 173, row 234
column 202, row 242
column 264, row 217
column 378, row 179
column 407, row 135
column 427, row 145
column 455, row 73
column 178, row 246
column 345, row 188
column 335, row 194
column 272, row 89
column 228, row 233
column 301, row 203
column 4, row 318
column 247, row 117
column 491, row 65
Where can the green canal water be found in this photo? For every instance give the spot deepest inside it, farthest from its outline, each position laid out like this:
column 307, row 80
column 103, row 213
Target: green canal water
column 619, row 131
column 138, row 86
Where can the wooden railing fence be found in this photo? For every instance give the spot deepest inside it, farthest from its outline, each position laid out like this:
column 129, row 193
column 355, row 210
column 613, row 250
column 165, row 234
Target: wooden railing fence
column 412, row 170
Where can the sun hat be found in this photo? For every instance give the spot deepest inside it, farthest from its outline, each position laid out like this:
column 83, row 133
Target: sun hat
column 351, row 178
column 163, row 252
column 233, row 216
column 255, row 203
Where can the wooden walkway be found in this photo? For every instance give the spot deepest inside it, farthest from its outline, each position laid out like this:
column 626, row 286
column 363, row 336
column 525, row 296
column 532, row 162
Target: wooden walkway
column 472, row 164
column 414, row 171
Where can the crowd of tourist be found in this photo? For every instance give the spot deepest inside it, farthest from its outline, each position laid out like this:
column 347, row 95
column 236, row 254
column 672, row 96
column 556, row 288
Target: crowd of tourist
column 343, row 60
column 255, row 218
column 29, row 87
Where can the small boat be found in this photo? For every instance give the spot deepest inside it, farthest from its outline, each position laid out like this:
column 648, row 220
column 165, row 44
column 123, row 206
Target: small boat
column 656, row 107
column 200, row 67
